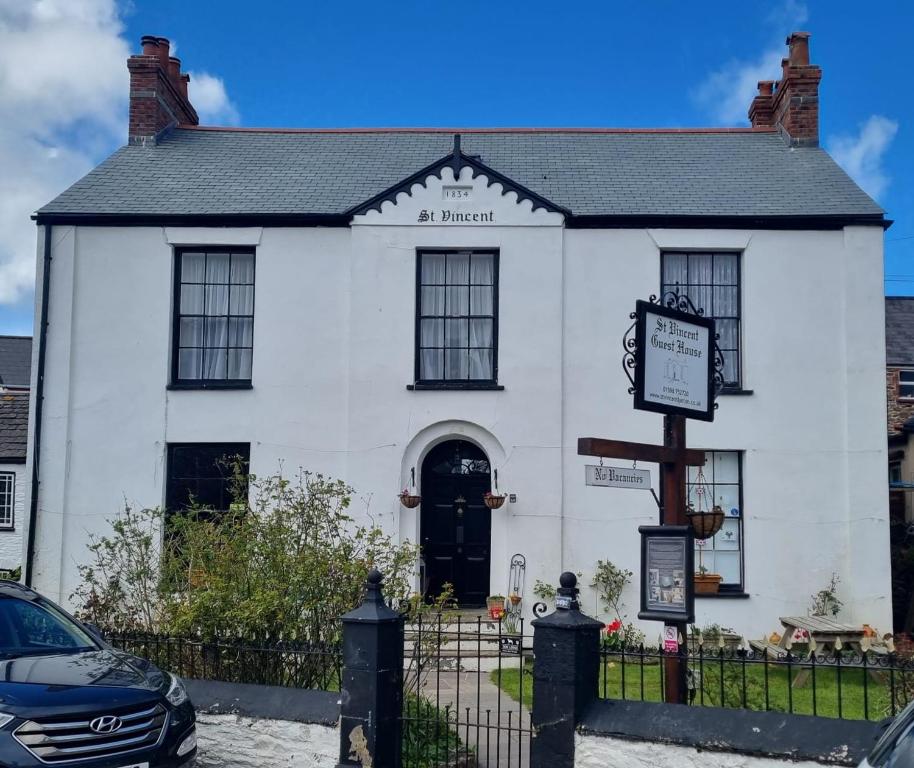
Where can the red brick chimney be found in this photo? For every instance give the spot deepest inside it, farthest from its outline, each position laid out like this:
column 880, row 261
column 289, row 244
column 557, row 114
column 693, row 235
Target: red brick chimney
column 158, row 92
column 791, row 104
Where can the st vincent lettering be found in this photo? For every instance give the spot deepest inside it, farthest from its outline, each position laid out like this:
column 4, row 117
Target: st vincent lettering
column 449, row 216
column 675, row 336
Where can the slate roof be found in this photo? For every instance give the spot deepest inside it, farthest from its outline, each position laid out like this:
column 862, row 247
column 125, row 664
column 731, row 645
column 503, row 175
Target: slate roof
column 15, row 361
column 899, row 330
column 14, row 426
column 590, row 172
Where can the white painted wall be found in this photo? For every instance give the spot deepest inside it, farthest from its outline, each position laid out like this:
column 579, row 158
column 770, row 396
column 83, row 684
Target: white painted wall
column 333, row 353
column 11, row 540
column 232, row 741
column 600, row 752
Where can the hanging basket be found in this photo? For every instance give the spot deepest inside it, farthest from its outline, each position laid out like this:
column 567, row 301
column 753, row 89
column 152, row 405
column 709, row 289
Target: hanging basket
column 409, row 500
column 706, row 524
column 493, row 501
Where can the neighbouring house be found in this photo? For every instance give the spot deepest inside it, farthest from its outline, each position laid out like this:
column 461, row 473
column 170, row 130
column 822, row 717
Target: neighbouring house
column 899, row 389
column 15, row 375
column 443, row 311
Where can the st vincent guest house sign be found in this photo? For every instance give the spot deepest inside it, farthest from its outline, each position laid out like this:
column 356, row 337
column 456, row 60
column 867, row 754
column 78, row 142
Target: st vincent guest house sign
column 674, row 371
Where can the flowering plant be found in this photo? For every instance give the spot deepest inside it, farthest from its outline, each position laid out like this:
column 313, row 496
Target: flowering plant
column 614, row 635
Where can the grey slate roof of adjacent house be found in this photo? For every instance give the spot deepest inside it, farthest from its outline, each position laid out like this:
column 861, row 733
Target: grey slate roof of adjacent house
column 194, row 171
column 14, row 426
column 899, row 330
column 15, row 361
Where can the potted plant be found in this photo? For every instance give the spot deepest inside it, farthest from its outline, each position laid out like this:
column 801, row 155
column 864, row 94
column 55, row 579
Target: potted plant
column 493, row 500
column 495, row 604
column 409, row 500
column 706, row 583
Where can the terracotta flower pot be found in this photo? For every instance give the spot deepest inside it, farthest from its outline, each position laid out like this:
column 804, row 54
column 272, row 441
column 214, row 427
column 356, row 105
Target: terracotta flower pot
column 409, row 500
column 493, row 502
column 707, row 583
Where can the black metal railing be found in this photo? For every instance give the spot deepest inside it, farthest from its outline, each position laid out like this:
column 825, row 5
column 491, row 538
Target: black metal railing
column 846, row 684
column 467, row 692
column 236, row 660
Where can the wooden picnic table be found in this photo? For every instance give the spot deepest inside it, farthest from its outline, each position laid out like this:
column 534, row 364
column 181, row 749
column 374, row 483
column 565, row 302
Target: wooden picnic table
column 824, row 632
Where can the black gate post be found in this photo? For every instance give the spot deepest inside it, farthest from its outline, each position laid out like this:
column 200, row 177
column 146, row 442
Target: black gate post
column 371, row 695
column 566, row 646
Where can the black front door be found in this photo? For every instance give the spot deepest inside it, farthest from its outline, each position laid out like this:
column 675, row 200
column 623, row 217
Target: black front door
column 456, row 523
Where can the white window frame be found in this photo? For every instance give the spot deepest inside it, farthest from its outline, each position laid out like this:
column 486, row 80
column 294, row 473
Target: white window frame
column 7, row 501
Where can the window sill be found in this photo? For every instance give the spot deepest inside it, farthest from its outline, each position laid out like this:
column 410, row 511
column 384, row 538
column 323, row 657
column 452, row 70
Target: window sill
column 210, row 385
column 725, row 596
column 737, row 392
column 419, row 387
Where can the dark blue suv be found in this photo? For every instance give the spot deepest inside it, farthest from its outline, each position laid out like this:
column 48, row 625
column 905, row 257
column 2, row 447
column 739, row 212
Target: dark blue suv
column 67, row 698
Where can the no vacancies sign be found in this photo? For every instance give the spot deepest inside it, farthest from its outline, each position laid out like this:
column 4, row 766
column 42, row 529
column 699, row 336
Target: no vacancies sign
column 674, row 372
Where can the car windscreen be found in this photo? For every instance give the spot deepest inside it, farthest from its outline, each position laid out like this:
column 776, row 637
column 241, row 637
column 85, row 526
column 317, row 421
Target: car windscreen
column 896, row 747
column 30, row 627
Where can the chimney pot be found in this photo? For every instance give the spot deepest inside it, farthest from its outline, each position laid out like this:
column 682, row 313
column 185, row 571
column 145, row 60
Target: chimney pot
column 164, row 51
column 174, row 69
column 183, row 80
column 798, row 43
column 765, row 87
column 150, row 45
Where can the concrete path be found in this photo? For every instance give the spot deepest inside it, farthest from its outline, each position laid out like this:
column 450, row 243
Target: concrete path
column 495, row 726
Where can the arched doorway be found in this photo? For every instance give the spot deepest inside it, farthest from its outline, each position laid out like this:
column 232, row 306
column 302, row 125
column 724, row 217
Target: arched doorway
column 456, row 525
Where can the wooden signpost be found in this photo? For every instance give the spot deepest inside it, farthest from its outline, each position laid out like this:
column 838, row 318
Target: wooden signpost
column 677, row 370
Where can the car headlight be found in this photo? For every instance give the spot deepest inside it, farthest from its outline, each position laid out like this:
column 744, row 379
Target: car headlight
column 177, row 694
column 4, row 719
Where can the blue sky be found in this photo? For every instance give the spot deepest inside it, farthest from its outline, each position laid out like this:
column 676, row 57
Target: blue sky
column 654, row 63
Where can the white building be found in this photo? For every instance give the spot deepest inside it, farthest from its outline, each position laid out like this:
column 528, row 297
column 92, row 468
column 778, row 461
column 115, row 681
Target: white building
column 378, row 305
column 15, row 363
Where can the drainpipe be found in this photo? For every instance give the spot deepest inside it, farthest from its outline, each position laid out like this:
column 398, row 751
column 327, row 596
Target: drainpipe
column 39, row 397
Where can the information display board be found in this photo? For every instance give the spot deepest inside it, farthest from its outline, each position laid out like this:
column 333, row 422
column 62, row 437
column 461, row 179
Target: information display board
column 667, row 573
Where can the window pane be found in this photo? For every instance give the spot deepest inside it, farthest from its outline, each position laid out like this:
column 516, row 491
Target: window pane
column 243, row 268
column 217, row 268
column 192, row 300
column 906, row 390
column 726, row 467
column 727, row 496
column 701, row 269
column 725, row 269
column 727, row 538
column 214, row 363
column 725, row 301
column 458, row 268
column 432, row 301
column 480, row 333
column 240, row 332
column 217, row 299
column 727, row 565
column 675, row 269
column 455, row 333
column 190, row 363
column 241, row 300
column 481, row 300
column 201, row 471
column 906, row 376
column 431, row 333
column 239, row 363
column 433, row 272
column 482, row 269
column 191, row 334
column 481, row 364
column 701, row 297
column 458, row 301
column 456, row 364
column 431, row 364
column 216, row 332
column 193, row 267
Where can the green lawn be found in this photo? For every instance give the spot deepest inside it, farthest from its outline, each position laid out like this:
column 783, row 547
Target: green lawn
column 860, row 698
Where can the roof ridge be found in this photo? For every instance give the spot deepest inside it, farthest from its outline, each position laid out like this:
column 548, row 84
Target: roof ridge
column 244, row 129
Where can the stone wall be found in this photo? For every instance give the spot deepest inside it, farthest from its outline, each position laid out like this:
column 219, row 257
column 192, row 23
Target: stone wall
column 234, row 741
column 601, row 752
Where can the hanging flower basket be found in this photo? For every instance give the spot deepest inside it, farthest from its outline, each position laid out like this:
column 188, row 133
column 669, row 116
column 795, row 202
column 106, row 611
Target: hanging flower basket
column 409, row 500
column 705, row 524
column 495, row 604
column 493, row 500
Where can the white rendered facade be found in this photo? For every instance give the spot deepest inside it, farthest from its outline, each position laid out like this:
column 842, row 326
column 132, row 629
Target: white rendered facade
column 334, row 335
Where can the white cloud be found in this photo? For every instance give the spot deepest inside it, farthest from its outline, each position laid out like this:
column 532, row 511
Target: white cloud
column 726, row 93
column 63, row 106
column 207, row 94
column 861, row 155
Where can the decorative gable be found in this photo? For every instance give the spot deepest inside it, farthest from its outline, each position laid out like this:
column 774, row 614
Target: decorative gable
column 458, row 190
